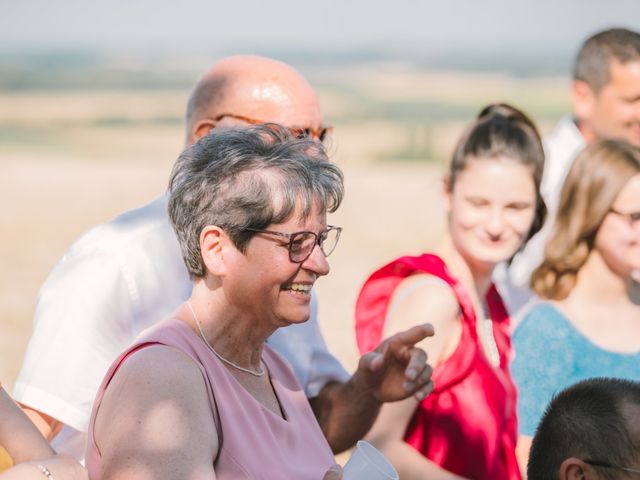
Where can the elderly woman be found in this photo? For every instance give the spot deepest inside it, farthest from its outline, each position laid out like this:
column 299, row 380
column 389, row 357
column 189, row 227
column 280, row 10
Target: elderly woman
column 201, row 395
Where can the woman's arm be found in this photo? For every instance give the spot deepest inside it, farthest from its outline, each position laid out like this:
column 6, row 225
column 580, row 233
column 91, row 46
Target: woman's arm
column 522, row 453
column 418, row 299
column 155, row 420
column 28, row 448
column 59, row 467
column 18, row 435
column 387, row 435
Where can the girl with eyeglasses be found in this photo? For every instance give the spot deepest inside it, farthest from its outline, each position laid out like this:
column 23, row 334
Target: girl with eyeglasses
column 588, row 322
column 467, row 427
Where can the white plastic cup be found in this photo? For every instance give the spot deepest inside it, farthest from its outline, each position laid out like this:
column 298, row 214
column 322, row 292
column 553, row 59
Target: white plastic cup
column 367, row 463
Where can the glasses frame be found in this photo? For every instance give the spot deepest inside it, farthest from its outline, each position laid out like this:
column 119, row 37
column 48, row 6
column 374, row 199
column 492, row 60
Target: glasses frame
column 319, row 134
column 597, row 463
column 630, row 217
column 319, row 240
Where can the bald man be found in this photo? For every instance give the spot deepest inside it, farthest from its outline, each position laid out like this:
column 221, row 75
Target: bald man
column 126, row 275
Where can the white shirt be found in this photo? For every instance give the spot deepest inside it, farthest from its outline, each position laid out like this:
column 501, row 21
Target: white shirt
column 561, row 147
column 114, row 282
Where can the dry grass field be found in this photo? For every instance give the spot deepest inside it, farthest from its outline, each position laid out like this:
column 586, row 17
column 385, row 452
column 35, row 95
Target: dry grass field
column 72, row 158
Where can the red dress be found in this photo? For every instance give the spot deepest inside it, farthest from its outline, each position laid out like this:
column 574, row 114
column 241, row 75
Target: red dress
column 467, row 425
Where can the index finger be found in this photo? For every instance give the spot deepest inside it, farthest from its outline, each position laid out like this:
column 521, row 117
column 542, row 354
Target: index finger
column 414, row 334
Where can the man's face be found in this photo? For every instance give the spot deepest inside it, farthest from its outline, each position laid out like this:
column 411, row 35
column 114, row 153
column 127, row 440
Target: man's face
column 614, row 111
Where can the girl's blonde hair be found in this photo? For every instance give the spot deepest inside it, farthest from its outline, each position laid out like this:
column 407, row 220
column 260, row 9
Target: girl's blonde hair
column 596, row 178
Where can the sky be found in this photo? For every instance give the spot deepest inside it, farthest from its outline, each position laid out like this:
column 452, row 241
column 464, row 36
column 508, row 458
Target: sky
column 334, row 25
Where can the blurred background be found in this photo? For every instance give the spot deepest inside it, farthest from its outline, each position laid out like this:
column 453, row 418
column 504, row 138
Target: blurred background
column 92, row 97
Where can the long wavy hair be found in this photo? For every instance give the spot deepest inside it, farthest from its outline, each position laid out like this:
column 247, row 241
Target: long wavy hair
column 596, row 177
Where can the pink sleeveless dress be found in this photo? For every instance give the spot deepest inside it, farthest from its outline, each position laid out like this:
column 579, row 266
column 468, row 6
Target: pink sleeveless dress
column 255, row 443
column 467, row 425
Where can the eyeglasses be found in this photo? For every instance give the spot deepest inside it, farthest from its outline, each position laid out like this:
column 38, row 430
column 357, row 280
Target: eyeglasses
column 596, row 463
column 630, row 217
column 321, row 134
column 301, row 244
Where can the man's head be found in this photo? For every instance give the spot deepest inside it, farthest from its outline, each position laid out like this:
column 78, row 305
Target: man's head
column 606, row 86
column 589, row 431
column 242, row 90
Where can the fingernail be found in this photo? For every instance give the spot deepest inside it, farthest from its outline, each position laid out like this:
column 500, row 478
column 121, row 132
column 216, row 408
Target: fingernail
column 412, row 373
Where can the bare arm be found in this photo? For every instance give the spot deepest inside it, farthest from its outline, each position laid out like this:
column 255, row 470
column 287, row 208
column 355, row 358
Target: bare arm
column 436, row 302
column 522, row 453
column 344, row 414
column 18, row 435
column 393, row 371
column 28, row 448
column 387, row 435
column 155, row 421
column 60, row 467
column 48, row 426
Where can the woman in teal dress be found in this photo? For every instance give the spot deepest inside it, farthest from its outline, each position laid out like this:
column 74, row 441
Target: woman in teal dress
column 588, row 324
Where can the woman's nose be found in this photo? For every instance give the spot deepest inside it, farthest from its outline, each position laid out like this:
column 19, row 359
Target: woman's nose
column 317, row 262
column 495, row 223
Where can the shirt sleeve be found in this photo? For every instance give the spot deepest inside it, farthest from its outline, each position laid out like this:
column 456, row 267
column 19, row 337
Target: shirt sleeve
column 82, row 321
column 323, row 367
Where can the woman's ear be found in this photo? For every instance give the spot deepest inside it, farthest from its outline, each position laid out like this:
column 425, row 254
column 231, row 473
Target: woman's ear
column 446, row 193
column 212, row 241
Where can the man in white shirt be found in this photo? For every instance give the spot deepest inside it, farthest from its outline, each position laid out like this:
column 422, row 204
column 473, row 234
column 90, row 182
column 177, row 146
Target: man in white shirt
column 606, row 105
column 123, row 276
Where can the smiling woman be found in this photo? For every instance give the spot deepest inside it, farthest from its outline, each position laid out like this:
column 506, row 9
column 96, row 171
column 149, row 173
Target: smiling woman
column 249, row 209
column 494, row 206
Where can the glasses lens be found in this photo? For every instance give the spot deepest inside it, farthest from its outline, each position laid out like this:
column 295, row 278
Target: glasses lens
column 321, row 135
column 299, row 132
column 301, row 245
column 329, row 240
column 325, row 134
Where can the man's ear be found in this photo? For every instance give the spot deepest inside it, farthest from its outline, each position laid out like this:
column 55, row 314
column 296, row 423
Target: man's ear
column 583, row 98
column 201, row 129
column 575, row 469
column 212, row 241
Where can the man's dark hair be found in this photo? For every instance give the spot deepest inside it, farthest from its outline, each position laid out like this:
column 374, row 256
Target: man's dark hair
column 589, row 421
column 594, row 58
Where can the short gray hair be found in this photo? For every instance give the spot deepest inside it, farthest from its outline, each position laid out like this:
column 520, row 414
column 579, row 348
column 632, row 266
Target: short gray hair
column 247, row 178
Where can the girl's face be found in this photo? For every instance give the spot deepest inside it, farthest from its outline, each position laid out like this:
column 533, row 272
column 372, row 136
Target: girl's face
column 491, row 208
column 618, row 238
